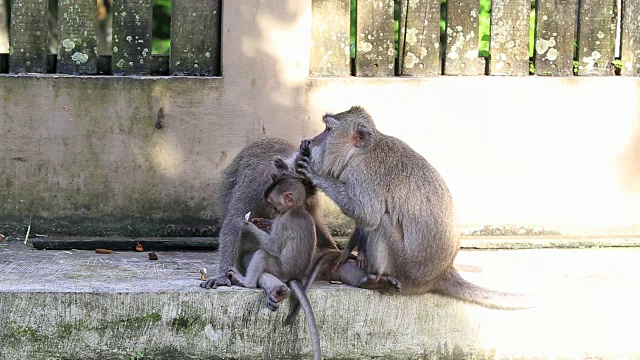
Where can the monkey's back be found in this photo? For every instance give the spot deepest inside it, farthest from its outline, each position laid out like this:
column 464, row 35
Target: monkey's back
column 297, row 229
column 410, row 196
column 250, row 166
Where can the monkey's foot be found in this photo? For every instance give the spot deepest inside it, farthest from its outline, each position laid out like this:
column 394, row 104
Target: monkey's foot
column 379, row 282
column 214, row 282
column 236, row 277
column 276, row 296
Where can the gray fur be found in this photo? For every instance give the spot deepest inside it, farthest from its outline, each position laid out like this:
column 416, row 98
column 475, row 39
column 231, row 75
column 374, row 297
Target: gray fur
column 287, row 251
column 240, row 190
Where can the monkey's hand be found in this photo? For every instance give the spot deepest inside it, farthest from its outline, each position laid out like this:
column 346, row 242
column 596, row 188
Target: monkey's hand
column 361, row 260
column 304, row 168
column 341, row 259
column 305, row 148
column 262, row 224
column 215, row 281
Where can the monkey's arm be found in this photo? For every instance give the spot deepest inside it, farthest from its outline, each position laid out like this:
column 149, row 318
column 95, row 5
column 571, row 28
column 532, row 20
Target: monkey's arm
column 266, row 241
column 336, row 190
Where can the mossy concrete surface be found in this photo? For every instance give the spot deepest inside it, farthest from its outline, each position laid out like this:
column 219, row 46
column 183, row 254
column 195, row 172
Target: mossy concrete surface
column 83, row 305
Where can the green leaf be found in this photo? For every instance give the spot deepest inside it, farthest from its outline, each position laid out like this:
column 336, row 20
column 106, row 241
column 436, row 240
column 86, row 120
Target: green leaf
column 486, row 38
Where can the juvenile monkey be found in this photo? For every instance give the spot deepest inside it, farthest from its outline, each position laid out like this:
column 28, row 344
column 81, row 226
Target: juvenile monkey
column 400, row 201
column 240, row 190
column 287, row 251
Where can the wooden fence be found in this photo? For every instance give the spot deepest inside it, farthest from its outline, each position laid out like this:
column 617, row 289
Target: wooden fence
column 195, row 39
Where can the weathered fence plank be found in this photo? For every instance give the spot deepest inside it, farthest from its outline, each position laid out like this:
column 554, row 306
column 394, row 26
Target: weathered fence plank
column 419, row 38
column 375, row 51
column 28, row 36
column 77, row 42
column 510, row 37
column 630, row 50
column 597, row 37
column 330, row 38
column 195, row 37
column 461, row 56
column 555, row 25
column 131, row 37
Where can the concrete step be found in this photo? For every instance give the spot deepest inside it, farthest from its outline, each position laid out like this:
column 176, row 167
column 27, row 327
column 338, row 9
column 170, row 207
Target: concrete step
column 83, row 305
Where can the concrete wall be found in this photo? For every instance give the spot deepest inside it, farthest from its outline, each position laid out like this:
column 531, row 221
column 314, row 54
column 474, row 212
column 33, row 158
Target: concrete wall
column 550, row 153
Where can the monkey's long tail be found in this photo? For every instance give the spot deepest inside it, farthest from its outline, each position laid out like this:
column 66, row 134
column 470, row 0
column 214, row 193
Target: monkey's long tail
column 452, row 284
column 319, row 265
column 296, row 286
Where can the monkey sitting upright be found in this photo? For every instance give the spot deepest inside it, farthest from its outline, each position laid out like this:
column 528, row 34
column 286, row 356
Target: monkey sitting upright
column 287, row 252
column 240, row 189
column 400, row 203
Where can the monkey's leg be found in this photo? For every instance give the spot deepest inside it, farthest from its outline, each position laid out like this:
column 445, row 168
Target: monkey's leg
column 350, row 274
column 254, row 271
column 228, row 240
column 240, row 203
column 275, row 290
column 380, row 283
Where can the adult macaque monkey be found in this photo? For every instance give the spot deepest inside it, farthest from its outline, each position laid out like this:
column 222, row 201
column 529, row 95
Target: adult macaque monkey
column 400, row 202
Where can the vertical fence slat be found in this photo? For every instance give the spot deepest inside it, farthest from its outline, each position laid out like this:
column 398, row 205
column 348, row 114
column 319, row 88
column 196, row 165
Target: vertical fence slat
column 330, row 38
column 195, row 37
column 419, row 38
column 461, row 56
column 630, row 50
column 555, row 23
column 28, row 36
column 597, row 37
column 77, row 42
column 131, row 37
column 375, row 51
column 510, row 37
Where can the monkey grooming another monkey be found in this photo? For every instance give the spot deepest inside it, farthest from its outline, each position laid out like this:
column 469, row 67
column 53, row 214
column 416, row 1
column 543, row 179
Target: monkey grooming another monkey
column 240, row 190
column 286, row 252
column 399, row 201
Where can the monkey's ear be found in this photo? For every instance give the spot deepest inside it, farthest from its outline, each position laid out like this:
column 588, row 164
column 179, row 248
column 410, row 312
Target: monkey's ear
column 362, row 136
column 330, row 121
column 288, row 197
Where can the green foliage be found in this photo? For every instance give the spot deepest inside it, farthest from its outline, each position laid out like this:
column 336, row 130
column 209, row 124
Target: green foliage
column 161, row 28
column 532, row 29
column 617, row 64
column 484, row 27
column 532, row 67
column 576, row 67
column 353, row 29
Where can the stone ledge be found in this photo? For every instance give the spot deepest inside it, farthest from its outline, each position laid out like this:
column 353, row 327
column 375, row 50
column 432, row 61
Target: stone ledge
column 79, row 304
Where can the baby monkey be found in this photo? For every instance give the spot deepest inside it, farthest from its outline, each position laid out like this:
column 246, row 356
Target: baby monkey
column 287, row 251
